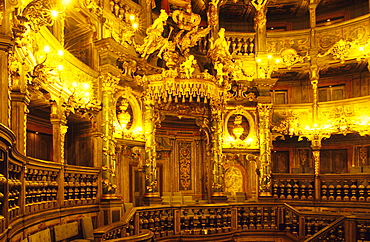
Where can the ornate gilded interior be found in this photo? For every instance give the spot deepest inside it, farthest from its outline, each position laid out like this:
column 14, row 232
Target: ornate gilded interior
column 178, row 120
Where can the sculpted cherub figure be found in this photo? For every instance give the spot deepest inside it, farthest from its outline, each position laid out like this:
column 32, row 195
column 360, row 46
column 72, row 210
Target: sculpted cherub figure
column 187, row 66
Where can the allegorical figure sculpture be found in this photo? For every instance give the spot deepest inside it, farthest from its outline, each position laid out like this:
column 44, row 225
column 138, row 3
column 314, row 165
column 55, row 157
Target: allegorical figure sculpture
column 154, row 39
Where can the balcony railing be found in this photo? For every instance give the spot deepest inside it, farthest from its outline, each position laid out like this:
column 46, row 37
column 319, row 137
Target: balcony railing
column 215, row 221
column 324, row 188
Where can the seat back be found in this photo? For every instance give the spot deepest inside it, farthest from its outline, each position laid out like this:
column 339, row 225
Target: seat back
column 128, row 206
column 66, row 231
column 41, row 236
column 166, row 193
column 87, row 228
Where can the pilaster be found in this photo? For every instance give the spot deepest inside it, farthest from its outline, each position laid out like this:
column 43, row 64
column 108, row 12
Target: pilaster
column 19, row 110
column 5, row 44
column 59, row 125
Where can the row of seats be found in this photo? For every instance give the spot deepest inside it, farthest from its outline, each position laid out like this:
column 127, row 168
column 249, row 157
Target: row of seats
column 64, row 232
column 238, row 198
column 176, row 198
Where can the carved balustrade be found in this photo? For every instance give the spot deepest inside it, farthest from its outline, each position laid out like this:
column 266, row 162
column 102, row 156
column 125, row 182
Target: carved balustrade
column 363, row 229
column 29, row 186
column 333, row 187
column 198, row 220
column 160, row 221
column 80, row 185
column 41, row 188
column 297, row 187
column 345, row 187
column 315, row 222
column 338, row 230
column 217, row 219
column 14, row 190
column 241, row 44
column 260, row 216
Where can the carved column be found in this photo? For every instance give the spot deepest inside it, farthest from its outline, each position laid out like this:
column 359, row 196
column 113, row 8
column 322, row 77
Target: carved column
column 264, row 108
column 264, row 114
column 59, row 124
column 314, row 77
column 312, row 9
column 151, row 195
column 316, row 140
column 213, row 16
column 109, row 83
column 216, row 156
column 316, row 157
column 260, row 25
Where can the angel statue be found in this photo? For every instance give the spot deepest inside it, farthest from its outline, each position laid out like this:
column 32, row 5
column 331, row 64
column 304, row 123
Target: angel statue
column 154, row 39
column 187, row 66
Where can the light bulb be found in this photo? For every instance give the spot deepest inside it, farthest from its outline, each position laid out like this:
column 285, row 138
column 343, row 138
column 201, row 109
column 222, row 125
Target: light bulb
column 54, row 13
column 86, row 85
column 47, row 48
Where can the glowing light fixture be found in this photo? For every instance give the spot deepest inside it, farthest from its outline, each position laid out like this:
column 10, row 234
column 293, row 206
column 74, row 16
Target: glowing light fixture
column 47, row 48
column 86, row 85
column 54, row 13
